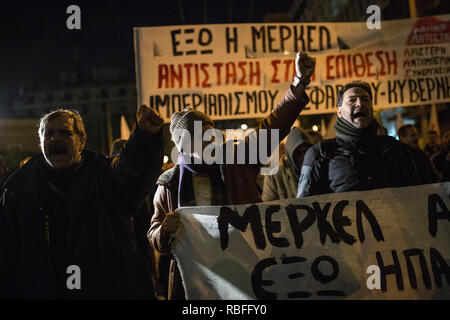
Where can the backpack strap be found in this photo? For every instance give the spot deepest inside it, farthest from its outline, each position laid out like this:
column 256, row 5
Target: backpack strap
column 327, row 150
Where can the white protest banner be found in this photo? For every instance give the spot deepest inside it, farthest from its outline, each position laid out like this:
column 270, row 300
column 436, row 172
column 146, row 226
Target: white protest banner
column 242, row 70
column 389, row 243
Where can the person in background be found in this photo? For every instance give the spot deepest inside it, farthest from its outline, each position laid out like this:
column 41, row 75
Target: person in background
column 382, row 131
column 140, row 221
column 314, row 135
column 283, row 184
column 441, row 160
column 433, row 145
column 408, row 135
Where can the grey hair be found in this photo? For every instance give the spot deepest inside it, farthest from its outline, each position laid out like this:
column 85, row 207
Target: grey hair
column 78, row 124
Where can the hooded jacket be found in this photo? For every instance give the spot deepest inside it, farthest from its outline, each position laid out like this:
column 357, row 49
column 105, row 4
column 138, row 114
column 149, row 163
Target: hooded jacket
column 283, row 184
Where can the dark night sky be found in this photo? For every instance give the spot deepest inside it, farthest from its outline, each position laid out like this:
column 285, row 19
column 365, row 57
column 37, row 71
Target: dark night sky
column 36, row 44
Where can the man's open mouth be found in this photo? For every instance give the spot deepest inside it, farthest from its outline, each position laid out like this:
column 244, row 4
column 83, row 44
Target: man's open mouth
column 359, row 114
column 57, row 150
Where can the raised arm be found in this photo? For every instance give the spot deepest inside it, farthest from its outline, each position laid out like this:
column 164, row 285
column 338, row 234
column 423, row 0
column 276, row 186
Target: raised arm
column 287, row 110
column 135, row 170
column 294, row 100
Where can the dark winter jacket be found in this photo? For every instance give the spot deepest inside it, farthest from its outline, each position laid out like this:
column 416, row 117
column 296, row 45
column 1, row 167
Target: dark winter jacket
column 424, row 165
column 336, row 165
column 104, row 193
column 283, row 184
column 442, row 164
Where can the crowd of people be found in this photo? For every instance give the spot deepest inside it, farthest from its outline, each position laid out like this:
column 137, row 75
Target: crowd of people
column 114, row 216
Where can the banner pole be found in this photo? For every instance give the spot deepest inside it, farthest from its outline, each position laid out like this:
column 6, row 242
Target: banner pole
column 412, row 8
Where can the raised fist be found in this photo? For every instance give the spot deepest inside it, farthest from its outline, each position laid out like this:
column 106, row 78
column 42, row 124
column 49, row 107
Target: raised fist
column 304, row 66
column 149, row 120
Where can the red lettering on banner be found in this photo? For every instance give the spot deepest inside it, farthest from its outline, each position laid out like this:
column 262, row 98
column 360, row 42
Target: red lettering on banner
column 218, row 66
column 205, row 83
column 379, row 55
column 255, row 73
column 275, row 64
column 392, row 62
column 289, row 71
column 429, row 30
column 349, row 66
column 205, row 75
column 369, row 64
column 197, row 77
column 176, row 76
column 288, row 65
column 241, row 65
column 163, row 75
column 329, row 67
column 359, row 65
column 230, row 73
column 188, row 67
column 340, row 64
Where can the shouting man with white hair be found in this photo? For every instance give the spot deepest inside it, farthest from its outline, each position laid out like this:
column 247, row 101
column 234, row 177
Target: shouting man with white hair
column 65, row 216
